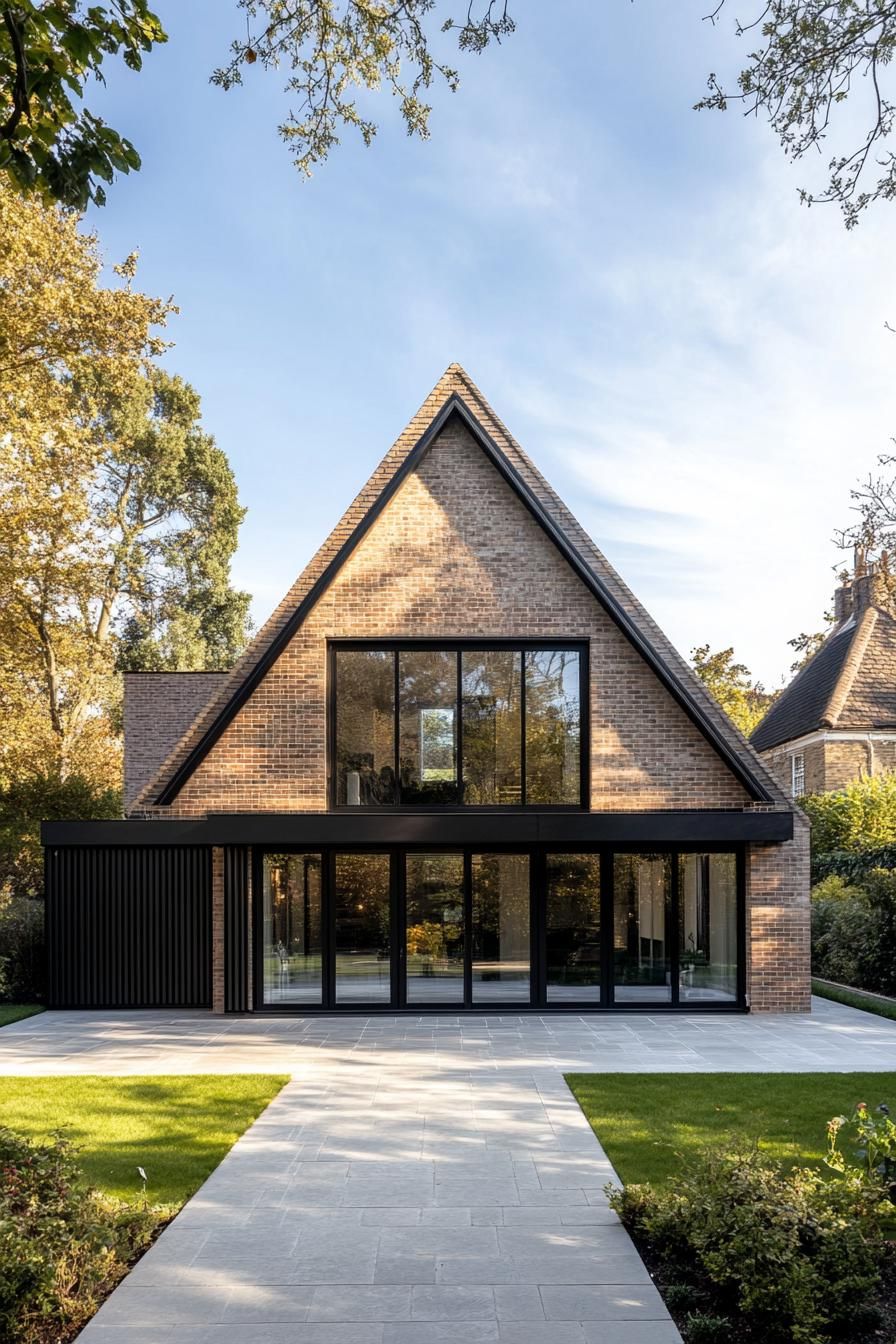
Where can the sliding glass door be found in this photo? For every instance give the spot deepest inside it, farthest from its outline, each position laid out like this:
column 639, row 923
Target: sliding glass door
column 434, row 929
column 494, row 929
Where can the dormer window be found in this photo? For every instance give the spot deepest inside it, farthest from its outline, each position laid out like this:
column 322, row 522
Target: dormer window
column 797, row 776
column 465, row 725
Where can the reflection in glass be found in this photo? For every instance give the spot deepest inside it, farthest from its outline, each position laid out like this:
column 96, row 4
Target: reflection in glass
column 492, row 727
column 435, row 928
column 362, row 941
column 707, row 927
column 500, row 932
column 365, row 727
column 427, row 742
column 291, row 902
column 553, row 773
column 572, row 919
column 642, row 894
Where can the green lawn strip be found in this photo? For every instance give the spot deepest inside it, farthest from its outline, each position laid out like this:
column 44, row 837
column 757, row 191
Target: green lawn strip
column 14, row 1012
column 177, row 1128
column 649, row 1122
column 854, row 998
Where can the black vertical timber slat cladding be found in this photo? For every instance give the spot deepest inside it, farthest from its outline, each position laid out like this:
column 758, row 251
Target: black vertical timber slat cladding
column 236, row 929
column 129, row 927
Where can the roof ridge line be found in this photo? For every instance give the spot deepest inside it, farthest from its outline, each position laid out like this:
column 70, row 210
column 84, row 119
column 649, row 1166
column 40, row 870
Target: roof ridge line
column 851, row 664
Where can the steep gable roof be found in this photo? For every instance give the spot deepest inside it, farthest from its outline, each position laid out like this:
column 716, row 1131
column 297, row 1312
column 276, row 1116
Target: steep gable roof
column 849, row 683
column 456, row 395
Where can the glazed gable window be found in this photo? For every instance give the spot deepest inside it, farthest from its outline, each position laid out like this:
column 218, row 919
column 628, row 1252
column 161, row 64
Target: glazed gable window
column 456, row 725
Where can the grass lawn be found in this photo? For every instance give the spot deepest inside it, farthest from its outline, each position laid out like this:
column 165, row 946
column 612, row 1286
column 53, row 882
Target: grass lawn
column 648, row 1121
column 14, row 1012
column 177, row 1128
column 854, row 998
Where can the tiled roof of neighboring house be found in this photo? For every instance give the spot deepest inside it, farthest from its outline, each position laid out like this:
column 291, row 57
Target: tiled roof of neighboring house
column 849, row 683
column 158, row 709
column 455, row 385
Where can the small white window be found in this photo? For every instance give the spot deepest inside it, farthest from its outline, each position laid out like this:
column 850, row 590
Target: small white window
column 797, row 776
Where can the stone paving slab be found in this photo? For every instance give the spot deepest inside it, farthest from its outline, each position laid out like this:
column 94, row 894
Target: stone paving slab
column 420, row 1180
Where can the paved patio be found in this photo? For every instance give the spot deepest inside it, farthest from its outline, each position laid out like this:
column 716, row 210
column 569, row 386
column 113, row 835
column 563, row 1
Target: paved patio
column 421, row 1180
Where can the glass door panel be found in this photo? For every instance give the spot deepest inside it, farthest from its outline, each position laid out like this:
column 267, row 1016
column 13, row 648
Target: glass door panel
column 500, row 928
column 707, row 928
column 291, row 952
column 434, row 932
column 642, row 897
column 572, row 928
column 361, row 923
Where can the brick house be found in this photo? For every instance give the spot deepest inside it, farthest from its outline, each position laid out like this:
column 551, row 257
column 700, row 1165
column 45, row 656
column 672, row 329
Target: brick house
column 459, row 769
column 836, row 721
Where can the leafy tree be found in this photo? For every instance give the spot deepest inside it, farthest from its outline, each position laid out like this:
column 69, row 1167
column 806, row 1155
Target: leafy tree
column 332, row 49
column 810, row 58
column 48, row 51
column 730, row 683
column 118, row 516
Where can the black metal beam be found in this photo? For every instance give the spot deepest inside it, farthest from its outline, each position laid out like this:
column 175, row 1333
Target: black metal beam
column 456, row 828
column 455, row 406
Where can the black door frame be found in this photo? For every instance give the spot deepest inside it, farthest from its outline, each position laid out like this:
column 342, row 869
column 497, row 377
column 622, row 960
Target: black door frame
column 537, row 1003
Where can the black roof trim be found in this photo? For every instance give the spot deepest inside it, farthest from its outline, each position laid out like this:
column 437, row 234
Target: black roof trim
column 363, row 827
column 455, row 406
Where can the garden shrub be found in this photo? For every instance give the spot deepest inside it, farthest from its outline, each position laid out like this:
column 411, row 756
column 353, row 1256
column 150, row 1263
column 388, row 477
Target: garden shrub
column 861, row 816
column 791, row 1256
column 62, row 1247
column 22, row 941
column 854, row 931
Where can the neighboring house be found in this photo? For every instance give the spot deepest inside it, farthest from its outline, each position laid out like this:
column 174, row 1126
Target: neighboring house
column 836, row 721
column 459, row 769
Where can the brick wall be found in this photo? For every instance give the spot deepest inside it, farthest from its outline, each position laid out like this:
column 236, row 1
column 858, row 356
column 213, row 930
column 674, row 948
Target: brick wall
column 778, row 924
column 158, row 709
column 456, row 554
column 831, row 764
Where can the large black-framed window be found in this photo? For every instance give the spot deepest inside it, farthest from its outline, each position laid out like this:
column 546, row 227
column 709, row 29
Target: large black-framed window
column 378, row 928
column 491, row 724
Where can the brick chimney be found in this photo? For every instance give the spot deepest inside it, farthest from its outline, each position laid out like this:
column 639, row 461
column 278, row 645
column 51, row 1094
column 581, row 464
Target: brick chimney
column 869, row 585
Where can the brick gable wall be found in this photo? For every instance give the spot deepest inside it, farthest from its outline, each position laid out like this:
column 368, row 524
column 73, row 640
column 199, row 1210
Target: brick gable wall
column 456, row 554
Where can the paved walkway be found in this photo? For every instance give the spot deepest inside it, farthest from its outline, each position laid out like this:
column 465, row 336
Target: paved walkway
column 421, row 1180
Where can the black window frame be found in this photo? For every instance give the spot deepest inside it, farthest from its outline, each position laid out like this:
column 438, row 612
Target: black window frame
column 538, row 853
column 459, row 646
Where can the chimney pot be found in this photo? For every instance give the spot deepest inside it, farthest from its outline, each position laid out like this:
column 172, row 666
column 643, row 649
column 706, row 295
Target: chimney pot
column 843, row 599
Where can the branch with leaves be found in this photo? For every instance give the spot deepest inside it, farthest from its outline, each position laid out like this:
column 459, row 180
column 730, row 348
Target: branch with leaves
column 334, row 50
column 810, row 58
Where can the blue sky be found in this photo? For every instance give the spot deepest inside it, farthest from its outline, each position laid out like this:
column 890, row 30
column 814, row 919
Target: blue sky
column 696, row 362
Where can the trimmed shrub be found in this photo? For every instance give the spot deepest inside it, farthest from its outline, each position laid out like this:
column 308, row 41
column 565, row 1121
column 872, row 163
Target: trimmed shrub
column 792, row 1257
column 63, row 1248
column 861, row 816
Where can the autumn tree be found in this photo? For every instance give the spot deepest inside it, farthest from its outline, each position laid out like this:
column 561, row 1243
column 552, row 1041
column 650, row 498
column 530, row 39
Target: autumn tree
column 744, row 701
column 118, row 513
